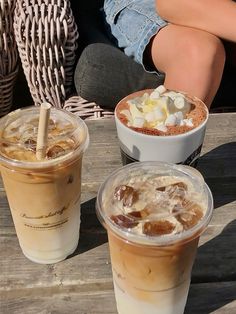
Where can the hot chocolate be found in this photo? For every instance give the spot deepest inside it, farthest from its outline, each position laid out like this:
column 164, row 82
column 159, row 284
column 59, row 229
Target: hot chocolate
column 161, row 112
column 161, row 125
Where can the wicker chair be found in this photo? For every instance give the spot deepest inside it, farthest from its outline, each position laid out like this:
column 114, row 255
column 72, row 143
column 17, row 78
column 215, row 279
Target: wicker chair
column 8, row 56
column 46, row 36
column 86, row 110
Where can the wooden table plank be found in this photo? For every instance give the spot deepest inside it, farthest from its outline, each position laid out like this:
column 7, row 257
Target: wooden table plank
column 203, row 299
column 82, row 283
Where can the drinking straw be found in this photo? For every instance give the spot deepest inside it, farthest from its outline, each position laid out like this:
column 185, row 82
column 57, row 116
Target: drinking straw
column 42, row 137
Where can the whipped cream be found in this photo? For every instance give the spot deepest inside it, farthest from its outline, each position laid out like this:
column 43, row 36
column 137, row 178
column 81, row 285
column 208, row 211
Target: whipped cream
column 160, row 109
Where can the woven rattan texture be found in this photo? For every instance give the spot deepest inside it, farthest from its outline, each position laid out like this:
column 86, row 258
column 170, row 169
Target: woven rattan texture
column 8, row 55
column 86, row 110
column 46, row 35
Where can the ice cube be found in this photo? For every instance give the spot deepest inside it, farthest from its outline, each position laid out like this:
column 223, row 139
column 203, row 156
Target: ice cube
column 52, row 124
column 124, row 221
column 127, row 194
column 177, row 189
column 30, row 144
column 161, row 227
column 55, row 151
column 139, row 214
column 161, row 188
column 193, row 213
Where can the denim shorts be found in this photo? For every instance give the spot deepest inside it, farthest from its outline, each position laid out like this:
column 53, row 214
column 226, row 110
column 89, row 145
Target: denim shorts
column 132, row 24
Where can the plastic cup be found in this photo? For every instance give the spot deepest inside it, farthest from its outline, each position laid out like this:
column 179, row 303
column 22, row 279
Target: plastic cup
column 152, row 271
column 44, row 195
column 182, row 148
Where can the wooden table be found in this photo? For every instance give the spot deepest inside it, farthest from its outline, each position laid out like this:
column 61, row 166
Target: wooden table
column 83, row 283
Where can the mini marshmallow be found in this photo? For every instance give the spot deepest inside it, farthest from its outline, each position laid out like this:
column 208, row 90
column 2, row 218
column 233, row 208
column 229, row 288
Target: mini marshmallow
column 161, row 127
column 182, row 104
column 138, row 122
column 134, row 111
column 154, row 95
column 160, row 89
column 188, row 122
column 150, row 116
column 127, row 114
column 171, row 94
column 171, row 120
column 159, row 109
column 163, row 101
column 138, row 101
column 179, row 116
column 159, row 114
column 179, row 102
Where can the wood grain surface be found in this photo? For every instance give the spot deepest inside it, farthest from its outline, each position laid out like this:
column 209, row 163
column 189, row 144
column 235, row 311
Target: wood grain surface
column 82, row 283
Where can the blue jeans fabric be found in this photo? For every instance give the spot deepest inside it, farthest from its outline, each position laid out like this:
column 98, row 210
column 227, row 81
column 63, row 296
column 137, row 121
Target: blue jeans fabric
column 133, row 23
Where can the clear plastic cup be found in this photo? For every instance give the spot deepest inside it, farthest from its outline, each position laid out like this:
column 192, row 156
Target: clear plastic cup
column 151, row 261
column 44, row 195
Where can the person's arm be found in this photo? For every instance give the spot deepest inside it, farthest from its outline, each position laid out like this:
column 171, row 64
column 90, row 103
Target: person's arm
column 214, row 16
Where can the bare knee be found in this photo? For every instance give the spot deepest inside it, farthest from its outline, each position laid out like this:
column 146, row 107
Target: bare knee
column 177, row 47
column 205, row 53
column 192, row 60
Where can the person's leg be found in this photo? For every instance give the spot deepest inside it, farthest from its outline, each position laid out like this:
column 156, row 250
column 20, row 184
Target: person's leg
column 104, row 74
column 192, row 60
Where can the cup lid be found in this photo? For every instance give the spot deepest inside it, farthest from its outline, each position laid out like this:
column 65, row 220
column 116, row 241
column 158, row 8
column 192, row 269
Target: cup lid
column 155, row 203
column 18, row 132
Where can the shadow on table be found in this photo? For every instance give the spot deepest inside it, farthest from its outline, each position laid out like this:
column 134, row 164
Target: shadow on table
column 92, row 233
column 218, row 256
column 219, row 168
column 218, row 161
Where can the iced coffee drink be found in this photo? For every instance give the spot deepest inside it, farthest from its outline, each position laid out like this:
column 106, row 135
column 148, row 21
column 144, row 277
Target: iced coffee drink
column 161, row 125
column 44, row 195
column 154, row 213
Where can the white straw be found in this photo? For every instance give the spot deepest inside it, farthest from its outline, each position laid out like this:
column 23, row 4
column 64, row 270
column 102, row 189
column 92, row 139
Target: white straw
column 42, row 137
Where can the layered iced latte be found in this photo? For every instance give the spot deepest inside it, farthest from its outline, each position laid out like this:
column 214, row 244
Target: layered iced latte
column 154, row 214
column 44, row 195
